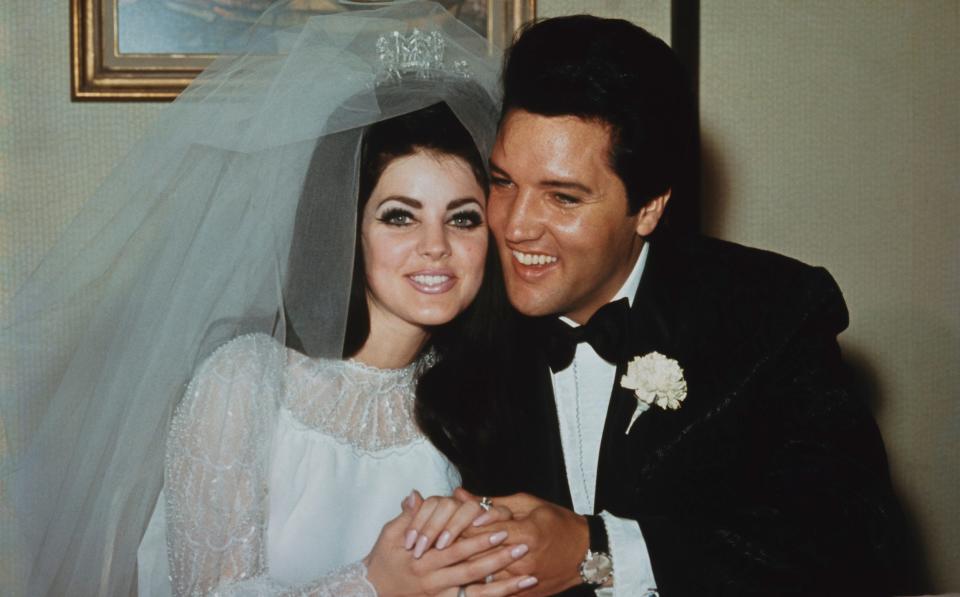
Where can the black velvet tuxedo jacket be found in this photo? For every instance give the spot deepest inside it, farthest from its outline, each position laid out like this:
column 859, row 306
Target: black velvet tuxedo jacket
column 771, row 478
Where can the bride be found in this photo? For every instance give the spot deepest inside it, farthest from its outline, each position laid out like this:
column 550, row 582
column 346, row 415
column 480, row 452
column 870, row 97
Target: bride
column 280, row 466
column 266, row 276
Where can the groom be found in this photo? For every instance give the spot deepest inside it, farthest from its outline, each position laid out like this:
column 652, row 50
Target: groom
column 689, row 428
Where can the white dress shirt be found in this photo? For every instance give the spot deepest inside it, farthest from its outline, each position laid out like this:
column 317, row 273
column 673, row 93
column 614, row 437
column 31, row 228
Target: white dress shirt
column 582, row 394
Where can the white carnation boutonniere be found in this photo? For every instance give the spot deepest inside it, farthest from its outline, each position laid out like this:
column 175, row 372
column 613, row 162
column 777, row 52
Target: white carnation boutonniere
column 654, row 379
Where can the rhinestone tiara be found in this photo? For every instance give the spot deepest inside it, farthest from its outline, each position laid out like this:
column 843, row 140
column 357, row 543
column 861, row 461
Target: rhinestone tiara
column 418, row 53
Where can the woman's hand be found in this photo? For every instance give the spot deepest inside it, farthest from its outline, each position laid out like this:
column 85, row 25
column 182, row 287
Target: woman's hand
column 394, row 572
column 440, row 520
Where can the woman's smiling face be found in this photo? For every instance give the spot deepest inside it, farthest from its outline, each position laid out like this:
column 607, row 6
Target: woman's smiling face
column 424, row 240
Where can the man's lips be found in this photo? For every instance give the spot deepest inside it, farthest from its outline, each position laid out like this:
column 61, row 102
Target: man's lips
column 533, row 259
column 432, row 282
column 532, row 267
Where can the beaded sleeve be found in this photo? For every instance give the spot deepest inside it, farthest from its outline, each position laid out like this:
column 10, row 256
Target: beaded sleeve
column 216, row 480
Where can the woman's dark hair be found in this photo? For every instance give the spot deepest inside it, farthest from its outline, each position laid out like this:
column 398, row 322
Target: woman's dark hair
column 456, row 390
column 616, row 73
column 456, row 398
column 435, row 129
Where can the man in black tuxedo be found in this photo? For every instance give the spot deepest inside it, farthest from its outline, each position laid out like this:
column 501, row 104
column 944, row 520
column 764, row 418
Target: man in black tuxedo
column 742, row 465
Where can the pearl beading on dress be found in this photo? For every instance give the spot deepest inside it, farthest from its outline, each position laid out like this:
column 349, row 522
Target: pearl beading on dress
column 367, row 408
column 218, row 457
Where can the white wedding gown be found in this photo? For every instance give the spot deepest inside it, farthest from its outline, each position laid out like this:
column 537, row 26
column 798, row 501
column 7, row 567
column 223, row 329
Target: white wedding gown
column 280, row 472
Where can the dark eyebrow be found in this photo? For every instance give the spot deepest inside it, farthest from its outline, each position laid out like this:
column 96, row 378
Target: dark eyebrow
column 405, row 200
column 557, row 184
column 567, row 184
column 498, row 169
column 461, row 202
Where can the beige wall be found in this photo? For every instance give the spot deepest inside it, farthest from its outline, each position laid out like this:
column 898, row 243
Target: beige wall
column 653, row 15
column 831, row 133
column 53, row 153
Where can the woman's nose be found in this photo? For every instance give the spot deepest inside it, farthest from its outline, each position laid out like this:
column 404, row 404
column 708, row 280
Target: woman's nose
column 434, row 242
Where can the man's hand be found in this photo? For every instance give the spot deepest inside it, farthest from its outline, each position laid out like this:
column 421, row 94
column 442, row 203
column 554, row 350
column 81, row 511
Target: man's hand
column 557, row 539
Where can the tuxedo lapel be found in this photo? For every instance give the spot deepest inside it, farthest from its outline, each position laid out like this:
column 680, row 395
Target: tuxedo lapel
column 647, row 333
column 662, row 319
column 658, row 323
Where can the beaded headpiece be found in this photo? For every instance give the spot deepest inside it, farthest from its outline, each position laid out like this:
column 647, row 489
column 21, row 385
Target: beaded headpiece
column 419, row 54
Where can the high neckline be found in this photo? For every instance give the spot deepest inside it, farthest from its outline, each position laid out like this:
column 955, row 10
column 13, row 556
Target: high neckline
column 399, row 372
column 418, row 365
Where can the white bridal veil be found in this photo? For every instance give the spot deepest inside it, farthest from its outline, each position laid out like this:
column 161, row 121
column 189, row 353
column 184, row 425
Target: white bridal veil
column 188, row 244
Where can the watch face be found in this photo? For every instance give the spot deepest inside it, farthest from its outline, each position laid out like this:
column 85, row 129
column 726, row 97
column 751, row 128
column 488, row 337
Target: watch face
column 597, row 567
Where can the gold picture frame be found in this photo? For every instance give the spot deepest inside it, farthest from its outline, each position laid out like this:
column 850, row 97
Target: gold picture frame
column 100, row 71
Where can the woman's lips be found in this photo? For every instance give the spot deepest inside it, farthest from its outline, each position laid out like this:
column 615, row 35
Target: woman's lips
column 432, row 282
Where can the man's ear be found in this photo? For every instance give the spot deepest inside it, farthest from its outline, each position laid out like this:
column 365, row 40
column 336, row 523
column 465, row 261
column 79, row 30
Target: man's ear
column 649, row 215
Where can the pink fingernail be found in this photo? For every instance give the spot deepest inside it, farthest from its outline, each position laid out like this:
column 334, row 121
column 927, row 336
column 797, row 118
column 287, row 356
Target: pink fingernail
column 482, row 519
column 519, row 550
column 409, row 539
column 421, row 546
column 498, row 538
column 527, row 582
column 444, row 540
column 411, row 502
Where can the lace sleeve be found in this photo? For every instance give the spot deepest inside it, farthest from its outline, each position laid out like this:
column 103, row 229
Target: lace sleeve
column 346, row 581
column 216, row 479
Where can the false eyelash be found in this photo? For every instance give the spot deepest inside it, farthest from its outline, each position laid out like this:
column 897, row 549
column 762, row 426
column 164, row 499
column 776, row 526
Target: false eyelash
column 471, row 216
column 395, row 213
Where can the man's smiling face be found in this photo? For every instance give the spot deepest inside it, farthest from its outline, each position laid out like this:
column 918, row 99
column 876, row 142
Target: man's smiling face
column 560, row 215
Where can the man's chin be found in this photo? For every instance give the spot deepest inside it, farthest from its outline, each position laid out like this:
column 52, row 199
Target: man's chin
column 532, row 304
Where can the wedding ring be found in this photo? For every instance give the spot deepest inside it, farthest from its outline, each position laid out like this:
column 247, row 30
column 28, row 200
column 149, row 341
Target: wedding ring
column 488, row 579
column 462, row 592
column 486, row 503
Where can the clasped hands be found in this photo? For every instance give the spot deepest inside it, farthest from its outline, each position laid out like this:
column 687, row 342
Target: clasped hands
column 521, row 545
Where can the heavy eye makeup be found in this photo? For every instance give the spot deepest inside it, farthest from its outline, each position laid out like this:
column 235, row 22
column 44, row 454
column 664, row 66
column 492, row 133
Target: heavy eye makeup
column 467, row 219
column 396, row 216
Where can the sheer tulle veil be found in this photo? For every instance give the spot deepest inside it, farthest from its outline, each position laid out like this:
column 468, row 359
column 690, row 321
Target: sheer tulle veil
column 186, row 245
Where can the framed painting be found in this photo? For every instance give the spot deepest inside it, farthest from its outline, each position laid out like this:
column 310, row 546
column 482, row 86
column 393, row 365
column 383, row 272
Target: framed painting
column 150, row 50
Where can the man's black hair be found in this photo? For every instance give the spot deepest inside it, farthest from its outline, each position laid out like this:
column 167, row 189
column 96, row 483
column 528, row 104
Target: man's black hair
column 615, row 73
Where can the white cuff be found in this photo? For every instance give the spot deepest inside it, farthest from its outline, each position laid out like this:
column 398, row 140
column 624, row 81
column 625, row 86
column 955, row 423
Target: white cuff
column 632, row 571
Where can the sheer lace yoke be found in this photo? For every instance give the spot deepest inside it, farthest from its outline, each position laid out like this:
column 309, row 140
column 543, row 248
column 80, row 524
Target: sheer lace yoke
column 218, row 457
column 368, row 408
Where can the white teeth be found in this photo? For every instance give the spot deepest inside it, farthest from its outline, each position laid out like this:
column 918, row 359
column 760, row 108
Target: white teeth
column 425, row 280
column 534, row 259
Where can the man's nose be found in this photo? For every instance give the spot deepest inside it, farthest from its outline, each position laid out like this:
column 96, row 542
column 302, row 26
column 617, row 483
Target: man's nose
column 524, row 220
column 434, row 242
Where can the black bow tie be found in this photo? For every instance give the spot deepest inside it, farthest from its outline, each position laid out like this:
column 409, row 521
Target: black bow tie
column 605, row 332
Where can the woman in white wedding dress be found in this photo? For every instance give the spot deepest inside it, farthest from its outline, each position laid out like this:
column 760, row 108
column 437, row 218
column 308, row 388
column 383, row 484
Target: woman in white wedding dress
column 282, row 469
column 180, row 415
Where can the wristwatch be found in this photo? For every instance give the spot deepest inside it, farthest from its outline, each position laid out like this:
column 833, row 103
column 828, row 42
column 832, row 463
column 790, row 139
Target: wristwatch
column 597, row 566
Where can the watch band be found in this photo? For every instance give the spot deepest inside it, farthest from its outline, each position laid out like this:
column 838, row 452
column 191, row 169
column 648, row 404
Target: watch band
column 599, row 542
column 597, row 565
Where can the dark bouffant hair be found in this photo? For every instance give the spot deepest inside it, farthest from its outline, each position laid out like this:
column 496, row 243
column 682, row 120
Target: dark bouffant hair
column 462, row 345
column 435, row 129
column 616, row 73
